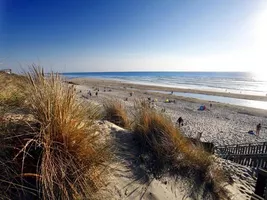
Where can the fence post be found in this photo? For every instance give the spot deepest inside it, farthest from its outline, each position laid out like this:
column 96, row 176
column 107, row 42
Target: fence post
column 261, row 182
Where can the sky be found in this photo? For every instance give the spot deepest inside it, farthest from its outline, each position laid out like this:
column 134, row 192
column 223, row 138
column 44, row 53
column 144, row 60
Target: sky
column 134, row 35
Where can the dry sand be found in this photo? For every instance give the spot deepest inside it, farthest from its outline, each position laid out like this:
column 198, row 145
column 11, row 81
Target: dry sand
column 222, row 124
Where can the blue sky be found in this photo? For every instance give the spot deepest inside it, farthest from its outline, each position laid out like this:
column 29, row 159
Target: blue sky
column 134, row 35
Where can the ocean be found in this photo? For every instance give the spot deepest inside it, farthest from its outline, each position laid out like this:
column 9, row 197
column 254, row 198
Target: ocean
column 233, row 82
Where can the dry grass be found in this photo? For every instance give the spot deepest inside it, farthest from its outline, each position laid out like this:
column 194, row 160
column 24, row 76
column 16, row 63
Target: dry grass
column 13, row 136
column 167, row 150
column 11, row 90
column 115, row 112
column 59, row 156
column 72, row 159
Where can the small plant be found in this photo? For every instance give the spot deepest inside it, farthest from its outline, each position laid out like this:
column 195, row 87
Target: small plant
column 115, row 112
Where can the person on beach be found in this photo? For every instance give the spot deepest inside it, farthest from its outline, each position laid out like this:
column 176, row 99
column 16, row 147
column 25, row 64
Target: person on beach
column 258, row 128
column 180, row 121
column 96, row 93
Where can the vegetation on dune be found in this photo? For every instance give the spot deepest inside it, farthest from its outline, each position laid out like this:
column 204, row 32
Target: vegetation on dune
column 164, row 149
column 115, row 112
column 11, row 90
column 61, row 155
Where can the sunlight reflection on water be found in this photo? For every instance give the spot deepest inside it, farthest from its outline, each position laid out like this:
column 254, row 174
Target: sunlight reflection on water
column 220, row 99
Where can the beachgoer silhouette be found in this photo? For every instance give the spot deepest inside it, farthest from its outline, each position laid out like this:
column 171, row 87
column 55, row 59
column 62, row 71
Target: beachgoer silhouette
column 171, row 92
column 258, row 128
column 210, row 105
column 180, row 121
column 96, row 93
column 199, row 135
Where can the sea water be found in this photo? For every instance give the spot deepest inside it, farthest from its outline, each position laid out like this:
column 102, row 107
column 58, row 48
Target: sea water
column 230, row 82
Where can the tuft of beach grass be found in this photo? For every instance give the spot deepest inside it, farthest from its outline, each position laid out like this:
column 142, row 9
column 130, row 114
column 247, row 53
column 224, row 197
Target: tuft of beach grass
column 59, row 154
column 115, row 112
column 168, row 150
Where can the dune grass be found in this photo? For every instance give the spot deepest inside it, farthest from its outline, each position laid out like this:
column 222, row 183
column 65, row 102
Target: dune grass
column 60, row 155
column 115, row 112
column 11, row 90
column 167, row 150
column 72, row 159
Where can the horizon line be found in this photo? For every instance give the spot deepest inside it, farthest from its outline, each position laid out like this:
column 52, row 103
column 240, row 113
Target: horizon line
column 159, row 72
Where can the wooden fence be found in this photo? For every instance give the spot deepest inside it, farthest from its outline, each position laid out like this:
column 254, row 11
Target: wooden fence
column 252, row 154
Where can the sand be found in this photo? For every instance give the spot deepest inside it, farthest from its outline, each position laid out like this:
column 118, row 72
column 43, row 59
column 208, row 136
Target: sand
column 130, row 181
column 221, row 124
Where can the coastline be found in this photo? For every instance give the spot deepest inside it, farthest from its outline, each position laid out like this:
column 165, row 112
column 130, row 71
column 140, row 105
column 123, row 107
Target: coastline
column 141, row 86
column 141, row 89
column 221, row 124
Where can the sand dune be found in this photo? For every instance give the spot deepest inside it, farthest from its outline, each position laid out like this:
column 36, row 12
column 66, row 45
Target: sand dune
column 131, row 181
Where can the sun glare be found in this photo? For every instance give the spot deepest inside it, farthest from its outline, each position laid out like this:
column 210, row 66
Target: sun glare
column 261, row 76
column 260, row 30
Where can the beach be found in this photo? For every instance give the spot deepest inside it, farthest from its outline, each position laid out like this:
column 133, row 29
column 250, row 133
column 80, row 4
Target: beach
column 221, row 124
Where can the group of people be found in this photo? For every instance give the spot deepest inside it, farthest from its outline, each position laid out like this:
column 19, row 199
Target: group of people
column 97, row 91
column 90, row 94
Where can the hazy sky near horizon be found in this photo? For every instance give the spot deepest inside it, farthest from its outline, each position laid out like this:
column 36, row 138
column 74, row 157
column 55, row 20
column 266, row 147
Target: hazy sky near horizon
column 134, row 35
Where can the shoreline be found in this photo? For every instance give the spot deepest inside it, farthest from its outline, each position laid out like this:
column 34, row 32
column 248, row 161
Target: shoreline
column 141, row 90
column 221, row 124
column 170, row 88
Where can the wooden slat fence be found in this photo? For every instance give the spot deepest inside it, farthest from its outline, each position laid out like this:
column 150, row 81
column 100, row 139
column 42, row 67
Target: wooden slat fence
column 252, row 154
